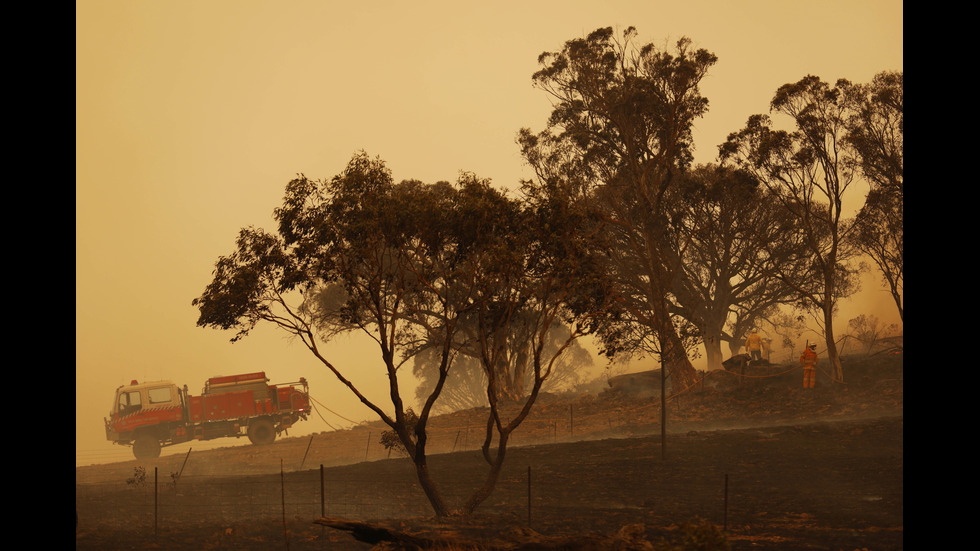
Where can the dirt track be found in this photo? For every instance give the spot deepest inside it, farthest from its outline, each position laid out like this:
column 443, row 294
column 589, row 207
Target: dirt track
column 821, row 470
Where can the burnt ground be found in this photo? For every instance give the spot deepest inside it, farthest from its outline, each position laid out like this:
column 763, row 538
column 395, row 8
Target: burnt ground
column 756, row 463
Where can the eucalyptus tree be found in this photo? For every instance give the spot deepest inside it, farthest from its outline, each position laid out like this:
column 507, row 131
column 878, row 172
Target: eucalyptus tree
column 809, row 171
column 618, row 136
column 537, row 288
column 405, row 264
column 357, row 253
column 876, row 131
column 880, row 234
column 735, row 250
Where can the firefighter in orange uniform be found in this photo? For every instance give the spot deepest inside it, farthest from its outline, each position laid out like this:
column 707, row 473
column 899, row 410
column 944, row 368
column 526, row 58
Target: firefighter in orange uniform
column 809, row 362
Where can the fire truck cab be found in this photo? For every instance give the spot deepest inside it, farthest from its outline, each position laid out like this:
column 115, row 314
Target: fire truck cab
column 135, row 397
column 142, row 416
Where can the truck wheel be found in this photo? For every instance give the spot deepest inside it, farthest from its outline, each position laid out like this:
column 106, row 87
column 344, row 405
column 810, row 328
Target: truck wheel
column 261, row 431
column 146, row 447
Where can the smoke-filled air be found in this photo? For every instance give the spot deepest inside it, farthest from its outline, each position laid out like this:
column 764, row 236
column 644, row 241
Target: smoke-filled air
column 408, row 270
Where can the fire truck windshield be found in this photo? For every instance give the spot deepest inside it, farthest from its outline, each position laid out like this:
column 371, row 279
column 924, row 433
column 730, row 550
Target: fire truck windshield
column 129, row 402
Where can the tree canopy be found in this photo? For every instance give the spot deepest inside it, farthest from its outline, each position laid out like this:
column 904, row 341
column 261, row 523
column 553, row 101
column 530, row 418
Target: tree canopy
column 442, row 269
column 735, row 250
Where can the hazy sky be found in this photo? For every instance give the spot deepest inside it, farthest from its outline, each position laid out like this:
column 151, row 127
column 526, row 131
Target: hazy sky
column 192, row 116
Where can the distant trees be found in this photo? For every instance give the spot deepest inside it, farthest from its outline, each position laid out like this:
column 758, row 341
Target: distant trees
column 466, row 386
column 869, row 331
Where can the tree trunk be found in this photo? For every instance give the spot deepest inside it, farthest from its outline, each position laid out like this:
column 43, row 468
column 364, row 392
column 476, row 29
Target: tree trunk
column 681, row 369
column 430, row 489
column 416, row 451
column 484, row 491
column 684, row 374
column 733, row 347
column 898, row 302
column 712, row 351
column 836, row 369
column 712, row 329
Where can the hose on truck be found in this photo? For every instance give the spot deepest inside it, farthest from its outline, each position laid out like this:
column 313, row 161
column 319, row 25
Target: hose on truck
column 316, row 403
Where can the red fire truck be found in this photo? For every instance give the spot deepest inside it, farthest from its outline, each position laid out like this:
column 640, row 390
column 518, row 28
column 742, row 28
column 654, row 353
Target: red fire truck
column 148, row 416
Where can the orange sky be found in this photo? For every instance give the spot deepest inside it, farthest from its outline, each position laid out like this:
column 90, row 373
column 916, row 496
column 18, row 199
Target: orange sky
column 192, row 116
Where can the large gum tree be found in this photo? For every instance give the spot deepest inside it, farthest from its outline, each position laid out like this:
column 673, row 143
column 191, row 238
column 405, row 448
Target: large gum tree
column 407, row 264
column 619, row 134
column 729, row 281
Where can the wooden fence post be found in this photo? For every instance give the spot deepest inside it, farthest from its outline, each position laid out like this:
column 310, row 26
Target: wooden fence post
column 181, row 472
column 725, row 517
column 155, row 509
column 303, row 462
column 529, row 496
column 282, row 485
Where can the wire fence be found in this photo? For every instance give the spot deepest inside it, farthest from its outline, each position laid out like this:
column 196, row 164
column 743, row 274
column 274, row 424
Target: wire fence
column 159, row 501
column 153, row 502
column 187, row 486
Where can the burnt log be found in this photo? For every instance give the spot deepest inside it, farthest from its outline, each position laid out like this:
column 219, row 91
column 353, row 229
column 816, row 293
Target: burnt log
column 630, row 538
column 375, row 534
column 737, row 363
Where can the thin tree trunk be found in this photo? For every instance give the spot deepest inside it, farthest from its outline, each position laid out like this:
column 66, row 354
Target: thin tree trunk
column 836, row 369
column 663, row 411
column 484, row 491
column 898, row 302
column 430, row 489
column 712, row 352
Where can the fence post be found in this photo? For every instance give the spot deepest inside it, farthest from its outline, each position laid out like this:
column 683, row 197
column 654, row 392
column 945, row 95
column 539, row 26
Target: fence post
column 368, row 446
column 725, row 517
column 323, row 503
column 184, row 464
column 307, row 452
column 155, row 492
column 282, row 485
column 529, row 496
